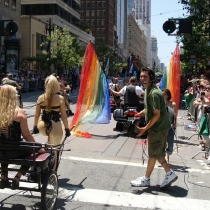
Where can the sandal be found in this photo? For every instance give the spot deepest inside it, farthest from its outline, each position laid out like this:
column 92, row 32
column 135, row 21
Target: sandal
column 203, row 148
column 15, row 183
column 4, row 182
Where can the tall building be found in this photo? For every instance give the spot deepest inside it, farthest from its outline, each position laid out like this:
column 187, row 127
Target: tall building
column 142, row 14
column 143, row 11
column 98, row 17
column 137, row 42
column 35, row 15
column 121, row 29
column 130, row 7
column 154, row 50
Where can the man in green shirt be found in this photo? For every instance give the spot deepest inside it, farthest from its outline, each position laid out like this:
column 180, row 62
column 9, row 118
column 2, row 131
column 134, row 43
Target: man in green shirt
column 157, row 125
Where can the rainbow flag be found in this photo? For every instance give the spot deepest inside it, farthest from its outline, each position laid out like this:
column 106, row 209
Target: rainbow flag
column 171, row 77
column 93, row 99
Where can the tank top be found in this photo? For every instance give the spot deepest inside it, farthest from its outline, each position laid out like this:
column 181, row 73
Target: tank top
column 11, row 132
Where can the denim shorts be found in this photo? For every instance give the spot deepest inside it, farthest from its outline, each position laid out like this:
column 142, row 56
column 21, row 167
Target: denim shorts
column 170, row 141
column 157, row 143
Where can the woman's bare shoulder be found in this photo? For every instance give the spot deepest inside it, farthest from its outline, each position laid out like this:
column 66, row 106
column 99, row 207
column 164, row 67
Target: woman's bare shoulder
column 20, row 114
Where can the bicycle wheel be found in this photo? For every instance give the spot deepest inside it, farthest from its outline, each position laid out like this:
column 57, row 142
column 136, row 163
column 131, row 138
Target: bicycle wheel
column 49, row 191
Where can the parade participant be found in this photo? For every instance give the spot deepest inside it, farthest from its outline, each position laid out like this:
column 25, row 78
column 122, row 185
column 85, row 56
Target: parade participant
column 157, row 125
column 171, row 109
column 61, row 91
column 131, row 94
column 52, row 105
column 13, row 124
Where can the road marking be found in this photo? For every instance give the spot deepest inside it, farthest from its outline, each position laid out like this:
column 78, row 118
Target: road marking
column 124, row 199
column 128, row 164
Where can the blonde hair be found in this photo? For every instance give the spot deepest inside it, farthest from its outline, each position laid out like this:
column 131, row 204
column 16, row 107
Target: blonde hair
column 8, row 105
column 51, row 87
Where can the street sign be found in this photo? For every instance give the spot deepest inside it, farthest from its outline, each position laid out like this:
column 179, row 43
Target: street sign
column 193, row 61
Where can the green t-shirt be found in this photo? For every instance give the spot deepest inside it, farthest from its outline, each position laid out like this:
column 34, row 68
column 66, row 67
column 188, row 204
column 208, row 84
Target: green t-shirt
column 10, row 82
column 155, row 100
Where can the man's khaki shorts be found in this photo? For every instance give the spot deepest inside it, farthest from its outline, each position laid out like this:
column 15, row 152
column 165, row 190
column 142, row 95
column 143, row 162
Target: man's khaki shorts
column 157, row 143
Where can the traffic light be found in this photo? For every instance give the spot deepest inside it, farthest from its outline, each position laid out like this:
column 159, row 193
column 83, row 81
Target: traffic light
column 169, row 27
column 11, row 28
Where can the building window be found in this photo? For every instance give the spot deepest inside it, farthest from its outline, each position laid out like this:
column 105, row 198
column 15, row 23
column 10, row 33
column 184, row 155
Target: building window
column 93, row 4
column 98, row 13
column 102, row 31
column 93, row 31
column 99, row 4
column 87, row 22
column 103, row 13
column 87, row 13
column 93, row 22
column 14, row 4
column 93, row 13
column 103, row 22
column 98, row 22
column 81, row 14
column 103, row 4
column 82, row 5
column 88, row 4
column 6, row 3
column 98, row 31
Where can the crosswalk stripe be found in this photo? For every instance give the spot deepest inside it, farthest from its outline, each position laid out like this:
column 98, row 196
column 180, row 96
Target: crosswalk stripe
column 128, row 164
column 124, row 199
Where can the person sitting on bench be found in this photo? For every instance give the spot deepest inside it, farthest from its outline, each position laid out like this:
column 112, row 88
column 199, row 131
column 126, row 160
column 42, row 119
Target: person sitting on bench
column 13, row 124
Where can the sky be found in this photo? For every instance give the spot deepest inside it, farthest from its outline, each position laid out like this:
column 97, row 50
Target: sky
column 161, row 11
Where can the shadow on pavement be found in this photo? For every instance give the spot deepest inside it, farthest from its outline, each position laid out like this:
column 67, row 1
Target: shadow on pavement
column 174, row 191
column 14, row 207
column 61, row 202
column 100, row 137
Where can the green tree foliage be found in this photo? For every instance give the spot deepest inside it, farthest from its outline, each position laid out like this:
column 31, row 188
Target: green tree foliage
column 104, row 52
column 198, row 42
column 64, row 50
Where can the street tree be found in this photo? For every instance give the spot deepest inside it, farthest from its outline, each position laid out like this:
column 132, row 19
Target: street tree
column 196, row 43
column 62, row 49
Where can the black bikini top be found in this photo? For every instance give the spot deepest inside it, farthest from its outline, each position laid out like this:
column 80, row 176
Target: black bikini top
column 52, row 107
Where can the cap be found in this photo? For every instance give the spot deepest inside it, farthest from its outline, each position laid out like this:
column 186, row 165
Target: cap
column 9, row 75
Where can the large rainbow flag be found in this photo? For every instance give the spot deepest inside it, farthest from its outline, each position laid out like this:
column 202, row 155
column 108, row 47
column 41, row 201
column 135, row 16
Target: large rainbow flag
column 93, row 99
column 171, row 77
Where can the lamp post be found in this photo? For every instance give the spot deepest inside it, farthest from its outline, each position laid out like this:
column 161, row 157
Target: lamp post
column 49, row 29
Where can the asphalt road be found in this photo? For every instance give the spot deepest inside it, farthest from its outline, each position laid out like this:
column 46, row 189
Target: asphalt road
column 96, row 173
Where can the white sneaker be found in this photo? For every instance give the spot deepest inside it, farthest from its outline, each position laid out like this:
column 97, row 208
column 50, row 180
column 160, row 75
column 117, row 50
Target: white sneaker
column 141, row 182
column 168, row 180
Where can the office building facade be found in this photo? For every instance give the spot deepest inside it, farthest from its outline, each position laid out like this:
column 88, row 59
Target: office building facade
column 98, row 17
column 36, row 14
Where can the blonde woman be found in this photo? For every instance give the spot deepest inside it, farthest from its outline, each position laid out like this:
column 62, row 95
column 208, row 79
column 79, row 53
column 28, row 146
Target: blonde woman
column 52, row 107
column 13, row 124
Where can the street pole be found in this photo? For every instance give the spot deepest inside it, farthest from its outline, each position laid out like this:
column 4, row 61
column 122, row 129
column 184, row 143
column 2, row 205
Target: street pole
column 49, row 29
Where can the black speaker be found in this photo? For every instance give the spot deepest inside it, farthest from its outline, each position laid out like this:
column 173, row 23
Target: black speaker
column 151, row 75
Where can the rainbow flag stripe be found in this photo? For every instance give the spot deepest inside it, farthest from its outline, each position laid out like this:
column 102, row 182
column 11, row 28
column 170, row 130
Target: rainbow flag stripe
column 93, row 99
column 171, row 77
